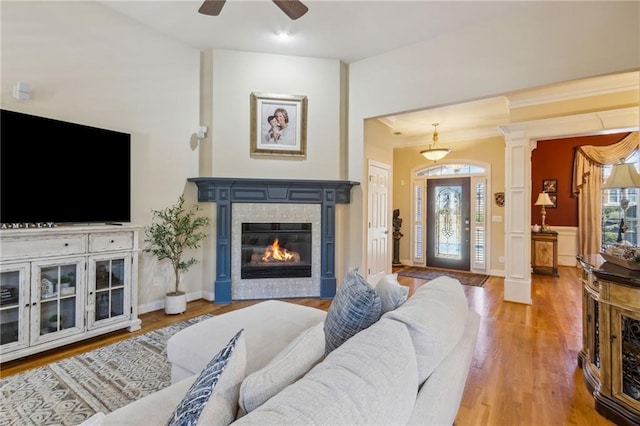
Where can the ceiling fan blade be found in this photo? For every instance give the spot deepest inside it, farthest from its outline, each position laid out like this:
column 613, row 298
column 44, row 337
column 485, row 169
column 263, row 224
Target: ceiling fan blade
column 211, row 7
column 294, row 9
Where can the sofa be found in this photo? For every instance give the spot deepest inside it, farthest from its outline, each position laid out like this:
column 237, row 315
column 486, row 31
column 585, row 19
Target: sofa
column 376, row 357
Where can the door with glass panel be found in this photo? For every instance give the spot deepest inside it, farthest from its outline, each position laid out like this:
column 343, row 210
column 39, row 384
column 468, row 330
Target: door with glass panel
column 57, row 302
column 108, row 289
column 448, row 223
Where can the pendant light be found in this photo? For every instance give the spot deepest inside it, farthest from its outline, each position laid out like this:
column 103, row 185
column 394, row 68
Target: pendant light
column 434, row 153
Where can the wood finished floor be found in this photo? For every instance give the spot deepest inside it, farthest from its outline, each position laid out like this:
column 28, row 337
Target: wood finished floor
column 524, row 371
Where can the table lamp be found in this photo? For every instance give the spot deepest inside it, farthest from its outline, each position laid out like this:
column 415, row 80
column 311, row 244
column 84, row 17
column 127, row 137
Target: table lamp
column 623, row 176
column 543, row 200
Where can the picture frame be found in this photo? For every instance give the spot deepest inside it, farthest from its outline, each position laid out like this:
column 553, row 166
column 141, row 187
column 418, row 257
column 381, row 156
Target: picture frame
column 554, row 200
column 278, row 125
column 550, row 185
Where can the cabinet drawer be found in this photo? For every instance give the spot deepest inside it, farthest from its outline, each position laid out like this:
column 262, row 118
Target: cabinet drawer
column 623, row 296
column 26, row 247
column 110, row 241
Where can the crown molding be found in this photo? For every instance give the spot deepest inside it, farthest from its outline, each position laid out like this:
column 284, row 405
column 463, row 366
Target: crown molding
column 593, row 123
column 570, row 90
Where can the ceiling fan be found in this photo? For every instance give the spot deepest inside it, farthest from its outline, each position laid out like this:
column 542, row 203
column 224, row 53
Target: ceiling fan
column 294, row 9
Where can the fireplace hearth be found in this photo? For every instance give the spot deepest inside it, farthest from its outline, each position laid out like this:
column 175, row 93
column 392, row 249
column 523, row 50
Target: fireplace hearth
column 276, row 250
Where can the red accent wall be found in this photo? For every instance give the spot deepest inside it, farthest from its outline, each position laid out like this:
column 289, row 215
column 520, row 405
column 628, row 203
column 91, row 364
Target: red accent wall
column 553, row 159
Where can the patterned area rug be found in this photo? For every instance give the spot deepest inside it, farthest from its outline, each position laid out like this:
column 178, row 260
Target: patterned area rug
column 466, row 278
column 70, row 391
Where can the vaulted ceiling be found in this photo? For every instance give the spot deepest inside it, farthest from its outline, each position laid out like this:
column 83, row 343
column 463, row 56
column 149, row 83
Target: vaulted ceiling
column 354, row 30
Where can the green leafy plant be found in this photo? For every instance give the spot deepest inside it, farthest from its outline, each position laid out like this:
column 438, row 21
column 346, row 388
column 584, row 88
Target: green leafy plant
column 54, row 318
column 175, row 229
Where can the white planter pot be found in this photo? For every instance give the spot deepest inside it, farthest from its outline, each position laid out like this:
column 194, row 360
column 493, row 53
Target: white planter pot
column 175, row 304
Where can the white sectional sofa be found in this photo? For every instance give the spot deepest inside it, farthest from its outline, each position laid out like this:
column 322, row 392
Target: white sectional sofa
column 408, row 367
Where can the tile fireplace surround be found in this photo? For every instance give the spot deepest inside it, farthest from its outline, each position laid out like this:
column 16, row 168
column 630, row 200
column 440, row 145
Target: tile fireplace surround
column 227, row 191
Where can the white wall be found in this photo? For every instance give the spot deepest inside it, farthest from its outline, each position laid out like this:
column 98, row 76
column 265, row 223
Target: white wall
column 236, row 75
column 89, row 65
column 229, row 78
column 574, row 40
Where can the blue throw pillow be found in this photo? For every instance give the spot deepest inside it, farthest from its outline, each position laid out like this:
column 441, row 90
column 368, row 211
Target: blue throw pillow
column 355, row 307
column 190, row 409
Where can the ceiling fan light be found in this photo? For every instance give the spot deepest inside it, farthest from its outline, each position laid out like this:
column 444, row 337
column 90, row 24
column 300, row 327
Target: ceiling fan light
column 283, row 35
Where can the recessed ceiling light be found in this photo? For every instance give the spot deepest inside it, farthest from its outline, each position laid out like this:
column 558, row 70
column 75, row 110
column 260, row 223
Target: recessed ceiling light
column 283, row 35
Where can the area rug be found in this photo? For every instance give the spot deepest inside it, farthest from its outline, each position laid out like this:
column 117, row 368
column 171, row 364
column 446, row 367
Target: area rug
column 466, row 278
column 70, row 391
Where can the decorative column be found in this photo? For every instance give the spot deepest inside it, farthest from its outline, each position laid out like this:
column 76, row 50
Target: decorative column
column 517, row 280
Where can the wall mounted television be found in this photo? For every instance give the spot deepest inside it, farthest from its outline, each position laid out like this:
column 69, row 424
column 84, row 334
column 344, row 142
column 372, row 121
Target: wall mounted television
column 59, row 172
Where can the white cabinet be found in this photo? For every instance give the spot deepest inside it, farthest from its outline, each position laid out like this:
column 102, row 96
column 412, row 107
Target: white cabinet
column 61, row 285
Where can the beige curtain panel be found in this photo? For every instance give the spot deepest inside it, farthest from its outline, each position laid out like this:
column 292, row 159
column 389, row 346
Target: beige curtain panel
column 587, row 182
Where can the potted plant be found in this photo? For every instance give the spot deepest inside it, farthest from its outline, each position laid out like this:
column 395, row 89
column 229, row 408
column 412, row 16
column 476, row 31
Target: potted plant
column 55, row 322
column 174, row 230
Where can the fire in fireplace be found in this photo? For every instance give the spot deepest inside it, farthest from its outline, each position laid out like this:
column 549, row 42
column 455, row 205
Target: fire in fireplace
column 276, row 250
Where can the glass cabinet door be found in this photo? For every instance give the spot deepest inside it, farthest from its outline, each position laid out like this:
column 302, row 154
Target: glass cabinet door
column 626, row 357
column 14, row 304
column 108, row 294
column 56, row 303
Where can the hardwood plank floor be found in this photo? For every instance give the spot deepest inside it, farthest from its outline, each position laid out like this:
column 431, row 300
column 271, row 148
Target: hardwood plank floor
column 524, row 372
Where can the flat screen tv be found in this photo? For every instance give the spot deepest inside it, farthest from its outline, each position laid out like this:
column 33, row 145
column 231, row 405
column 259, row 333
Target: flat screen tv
column 59, row 172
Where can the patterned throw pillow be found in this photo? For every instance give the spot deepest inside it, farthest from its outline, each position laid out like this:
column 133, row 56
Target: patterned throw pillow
column 355, row 307
column 392, row 294
column 213, row 397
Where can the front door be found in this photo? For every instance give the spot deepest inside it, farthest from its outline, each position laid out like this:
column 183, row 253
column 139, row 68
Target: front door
column 448, row 223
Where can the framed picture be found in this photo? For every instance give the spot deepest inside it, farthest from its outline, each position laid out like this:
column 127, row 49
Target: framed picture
column 278, row 125
column 550, row 185
column 554, row 200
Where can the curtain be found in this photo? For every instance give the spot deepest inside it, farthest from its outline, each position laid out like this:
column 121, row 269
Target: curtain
column 587, row 182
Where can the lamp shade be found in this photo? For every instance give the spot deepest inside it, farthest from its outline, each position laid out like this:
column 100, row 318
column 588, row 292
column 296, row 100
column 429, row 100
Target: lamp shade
column 623, row 175
column 435, row 154
column 543, row 200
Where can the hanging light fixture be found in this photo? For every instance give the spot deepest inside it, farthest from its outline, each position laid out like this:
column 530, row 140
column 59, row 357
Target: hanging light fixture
column 434, row 153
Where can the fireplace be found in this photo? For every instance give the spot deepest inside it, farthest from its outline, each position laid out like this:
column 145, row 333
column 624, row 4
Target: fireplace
column 253, row 233
column 276, row 250
column 253, row 200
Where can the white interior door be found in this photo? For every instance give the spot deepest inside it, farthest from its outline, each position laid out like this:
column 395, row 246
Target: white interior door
column 378, row 256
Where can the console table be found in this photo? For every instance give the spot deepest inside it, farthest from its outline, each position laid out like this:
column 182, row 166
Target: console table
column 610, row 355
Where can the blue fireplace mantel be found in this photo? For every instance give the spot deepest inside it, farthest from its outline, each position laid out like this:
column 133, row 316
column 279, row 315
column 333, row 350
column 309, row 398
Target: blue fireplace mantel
column 226, row 191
